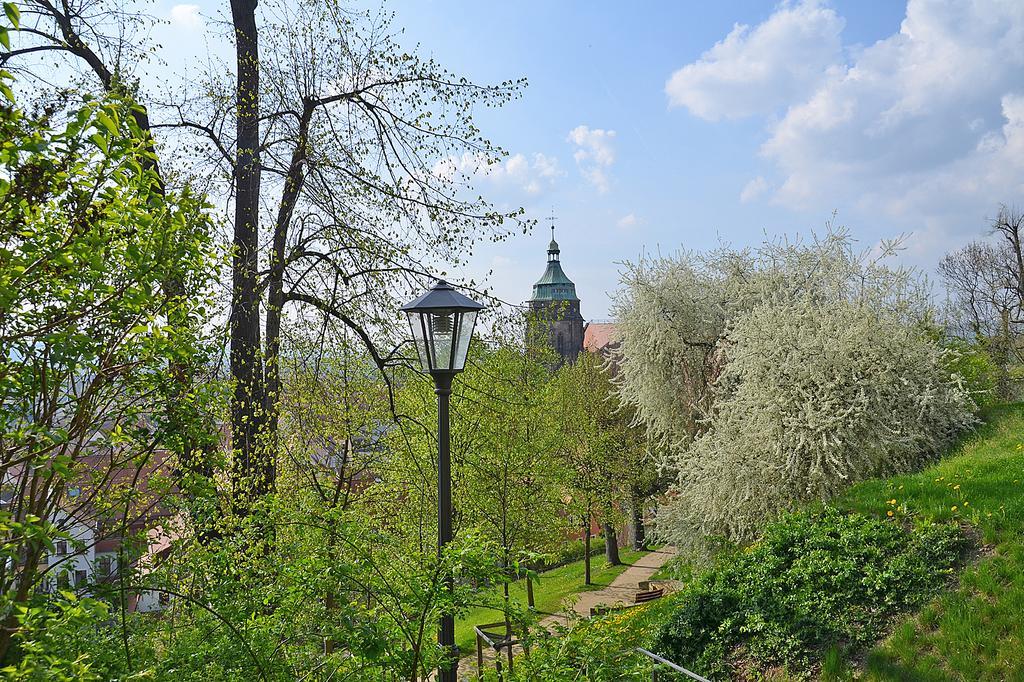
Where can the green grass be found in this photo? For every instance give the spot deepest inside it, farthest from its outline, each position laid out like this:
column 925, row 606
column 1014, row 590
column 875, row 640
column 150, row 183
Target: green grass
column 974, row 631
column 549, row 592
column 676, row 568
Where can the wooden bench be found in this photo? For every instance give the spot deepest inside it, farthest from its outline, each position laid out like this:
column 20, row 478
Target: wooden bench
column 641, row 597
column 648, row 595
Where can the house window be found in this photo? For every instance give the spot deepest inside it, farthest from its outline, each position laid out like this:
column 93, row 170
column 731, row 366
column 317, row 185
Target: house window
column 63, row 582
column 164, row 599
column 80, row 578
column 60, row 548
column 104, row 566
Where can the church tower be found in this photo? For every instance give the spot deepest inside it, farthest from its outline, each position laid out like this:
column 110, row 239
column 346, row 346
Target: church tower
column 555, row 310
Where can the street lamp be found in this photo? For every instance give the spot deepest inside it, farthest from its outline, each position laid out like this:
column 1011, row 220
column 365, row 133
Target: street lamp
column 442, row 322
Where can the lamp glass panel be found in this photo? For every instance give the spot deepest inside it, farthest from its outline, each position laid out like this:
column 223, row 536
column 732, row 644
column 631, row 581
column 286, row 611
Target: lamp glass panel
column 465, row 333
column 442, row 325
column 417, row 322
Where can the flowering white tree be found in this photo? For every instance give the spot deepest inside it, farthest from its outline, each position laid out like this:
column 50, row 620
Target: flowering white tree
column 821, row 373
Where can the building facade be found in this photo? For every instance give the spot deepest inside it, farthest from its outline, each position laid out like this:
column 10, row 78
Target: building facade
column 554, row 309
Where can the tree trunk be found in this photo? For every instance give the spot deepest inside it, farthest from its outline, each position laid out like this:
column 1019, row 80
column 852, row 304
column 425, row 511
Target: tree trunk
column 508, row 623
column 636, row 518
column 586, row 550
column 611, row 545
column 252, row 472
column 275, row 287
column 636, row 530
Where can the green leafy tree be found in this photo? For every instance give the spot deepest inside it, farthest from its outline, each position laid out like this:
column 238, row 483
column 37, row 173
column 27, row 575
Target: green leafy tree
column 104, row 285
column 507, row 482
column 510, row 480
column 603, row 452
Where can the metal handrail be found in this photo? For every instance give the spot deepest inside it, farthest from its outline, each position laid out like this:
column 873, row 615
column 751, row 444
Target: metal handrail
column 492, row 643
column 678, row 668
column 506, row 643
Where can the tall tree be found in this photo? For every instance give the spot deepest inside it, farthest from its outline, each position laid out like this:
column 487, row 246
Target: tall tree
column 602, row 450
column 511, row 484
column 358, row 154
column 985, row 284
column 89, row 240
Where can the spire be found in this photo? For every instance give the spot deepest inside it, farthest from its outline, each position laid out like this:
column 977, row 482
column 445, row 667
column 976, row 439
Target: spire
column 553, row 246
column 553, row 284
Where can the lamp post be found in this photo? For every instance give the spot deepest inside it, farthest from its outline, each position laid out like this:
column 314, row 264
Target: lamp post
column 442, row 322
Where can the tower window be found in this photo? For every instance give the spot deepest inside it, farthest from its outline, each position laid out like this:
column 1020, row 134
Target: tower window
column 561, row 343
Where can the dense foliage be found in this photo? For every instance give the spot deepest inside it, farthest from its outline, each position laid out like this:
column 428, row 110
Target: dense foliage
column 976, row 369
column 104, row 288
column 812, row 582
column 811, row 398
column 818, row 582
column 597, row 650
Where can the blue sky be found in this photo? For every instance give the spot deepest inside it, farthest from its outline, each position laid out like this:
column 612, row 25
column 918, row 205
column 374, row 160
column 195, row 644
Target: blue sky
column 655, row 126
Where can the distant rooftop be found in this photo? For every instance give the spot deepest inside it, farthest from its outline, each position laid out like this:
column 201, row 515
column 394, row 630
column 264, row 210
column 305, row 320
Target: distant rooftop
column 600, row 336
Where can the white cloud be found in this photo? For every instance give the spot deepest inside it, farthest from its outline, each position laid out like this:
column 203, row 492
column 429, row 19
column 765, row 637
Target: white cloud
column 753, row 189
column 628, row 222
column 185, row 16
column 532, row 175
column 914, row 123
column 757, row 70
column 922, row 131
column 594, row 154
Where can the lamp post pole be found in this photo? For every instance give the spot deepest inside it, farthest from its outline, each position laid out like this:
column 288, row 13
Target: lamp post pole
column 446, row 630
column 441, row 321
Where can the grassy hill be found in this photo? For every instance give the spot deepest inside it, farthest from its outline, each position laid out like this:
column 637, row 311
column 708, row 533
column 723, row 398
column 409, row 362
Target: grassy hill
column 974, row 631
column 822, row 588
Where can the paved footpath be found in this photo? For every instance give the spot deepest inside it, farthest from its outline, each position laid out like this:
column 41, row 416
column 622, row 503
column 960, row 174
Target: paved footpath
column 623, row 588
column 622, row 591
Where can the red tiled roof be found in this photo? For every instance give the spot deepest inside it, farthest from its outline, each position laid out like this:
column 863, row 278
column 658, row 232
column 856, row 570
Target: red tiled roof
column 599, row 336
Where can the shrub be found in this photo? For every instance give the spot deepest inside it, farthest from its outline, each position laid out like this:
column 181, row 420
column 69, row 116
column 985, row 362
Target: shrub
column 567, row 553
column 812, row 398
column 600, row 649
column 975, row 366
column 781, row 374
column 815, row 581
